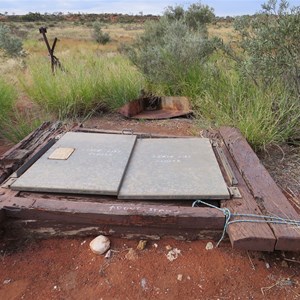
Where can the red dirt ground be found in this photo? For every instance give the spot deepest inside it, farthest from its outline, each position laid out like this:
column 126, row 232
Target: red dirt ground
column 67, row 269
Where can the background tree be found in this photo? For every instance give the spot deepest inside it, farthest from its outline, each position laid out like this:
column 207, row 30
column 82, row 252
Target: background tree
column 10, row 44
column 98, row 34
column 170, row 49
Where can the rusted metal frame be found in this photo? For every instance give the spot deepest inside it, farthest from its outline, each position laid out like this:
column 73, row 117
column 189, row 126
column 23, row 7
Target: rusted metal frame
column 129, row 131
column 104, row 199
column 227, row 168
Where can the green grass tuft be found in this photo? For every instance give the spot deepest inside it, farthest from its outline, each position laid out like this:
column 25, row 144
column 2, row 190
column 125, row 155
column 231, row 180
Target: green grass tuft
column 14, row 125
column 264, row 116
column 90, row 83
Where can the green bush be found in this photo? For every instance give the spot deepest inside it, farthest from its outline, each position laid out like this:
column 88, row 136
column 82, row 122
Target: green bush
column 178, row 58
column 270, row 45
column 100, row 36
column 93, row 83
column 170, row 47
column 11, row 44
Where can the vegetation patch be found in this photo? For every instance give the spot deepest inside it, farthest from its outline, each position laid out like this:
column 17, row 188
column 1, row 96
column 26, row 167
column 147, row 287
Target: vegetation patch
column 89, row 83
column 252, row 84
column 14, row 125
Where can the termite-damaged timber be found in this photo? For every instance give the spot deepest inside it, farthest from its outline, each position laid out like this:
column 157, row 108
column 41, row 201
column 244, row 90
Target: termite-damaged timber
column 50, row 228
column 27, row 149
column 46, row 214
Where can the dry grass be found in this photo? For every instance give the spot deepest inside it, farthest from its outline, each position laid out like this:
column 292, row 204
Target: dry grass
column 224, row 31
column 79, row 38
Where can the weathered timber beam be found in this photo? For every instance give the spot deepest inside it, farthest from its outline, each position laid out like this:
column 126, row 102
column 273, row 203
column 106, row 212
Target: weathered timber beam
column 125, row 214
column 267, row 194
column 23, row 144
column 47, row 229
column 26, row 149
column 258, row 237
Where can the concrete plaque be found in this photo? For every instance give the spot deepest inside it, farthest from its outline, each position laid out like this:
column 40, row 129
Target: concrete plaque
column 180, row 168
column 96, row 166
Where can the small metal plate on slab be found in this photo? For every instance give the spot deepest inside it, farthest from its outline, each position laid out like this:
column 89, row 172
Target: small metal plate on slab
column 173, row 169
column 96, row 166
column 61, row 153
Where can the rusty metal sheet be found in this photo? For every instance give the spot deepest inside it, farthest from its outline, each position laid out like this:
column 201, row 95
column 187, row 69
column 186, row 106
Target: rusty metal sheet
column 156, row 108
column 173, row 169
column 96, row 166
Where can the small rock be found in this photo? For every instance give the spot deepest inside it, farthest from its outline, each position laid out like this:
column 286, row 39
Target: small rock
column 209, row 246
column 179, row 277
column 173, row 254
column 108, row 254
column 284, row 264
column 100, row 244
column 189, row 278
column 267, row 265
column 131, row 255
column 83, row 243
column 155, row 245
column 7, row 281
column 144, row 283
column 168, row 247
column 141, row 245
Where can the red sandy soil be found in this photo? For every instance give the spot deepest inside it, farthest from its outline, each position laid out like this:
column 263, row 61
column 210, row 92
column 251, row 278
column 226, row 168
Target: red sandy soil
column 67, row 268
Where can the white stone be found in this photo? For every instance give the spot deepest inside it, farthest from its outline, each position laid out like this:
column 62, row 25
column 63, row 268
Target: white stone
column 173, row 254
column 179, row 277
column 209, row 246
column 100, row 244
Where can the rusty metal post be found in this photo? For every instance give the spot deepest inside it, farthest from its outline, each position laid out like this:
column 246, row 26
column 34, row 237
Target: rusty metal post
column 54, row 59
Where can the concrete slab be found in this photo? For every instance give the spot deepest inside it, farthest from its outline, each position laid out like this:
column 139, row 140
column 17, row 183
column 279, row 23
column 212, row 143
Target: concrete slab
column 173, row 169
column 96, row 166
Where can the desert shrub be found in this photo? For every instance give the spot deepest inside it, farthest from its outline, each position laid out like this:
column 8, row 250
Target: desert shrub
column 93, row 83
column 170, row 47
column 11, row 44
column 270, row 45
column 177, row 57
column 100, row 36
column 267, row 68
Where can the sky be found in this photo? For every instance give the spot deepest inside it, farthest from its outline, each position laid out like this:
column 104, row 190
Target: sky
column 155, row 7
